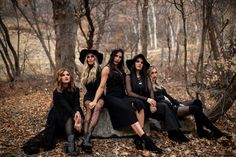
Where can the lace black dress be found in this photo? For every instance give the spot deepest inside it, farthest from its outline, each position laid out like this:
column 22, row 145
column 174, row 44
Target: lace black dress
column 117, row 102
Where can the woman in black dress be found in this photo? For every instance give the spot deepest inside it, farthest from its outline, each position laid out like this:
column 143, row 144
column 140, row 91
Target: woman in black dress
column 139, row 86
column 64, row 118
column 118, row 103
column 193, row 107
column 91, row 77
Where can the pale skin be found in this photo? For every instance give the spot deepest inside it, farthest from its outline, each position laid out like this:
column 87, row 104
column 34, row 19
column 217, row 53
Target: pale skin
column 65, row 79
column 104, row 76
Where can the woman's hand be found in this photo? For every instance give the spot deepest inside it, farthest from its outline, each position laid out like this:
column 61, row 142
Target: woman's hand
column 153, row 109
column 152, row 102
column 92, row 105
column 78, row 121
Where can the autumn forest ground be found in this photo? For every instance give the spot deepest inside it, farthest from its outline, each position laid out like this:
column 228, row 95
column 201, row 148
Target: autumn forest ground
column 24, row 107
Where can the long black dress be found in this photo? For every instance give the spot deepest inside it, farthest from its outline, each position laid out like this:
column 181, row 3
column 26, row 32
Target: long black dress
column 117, row 102
column 65, row 105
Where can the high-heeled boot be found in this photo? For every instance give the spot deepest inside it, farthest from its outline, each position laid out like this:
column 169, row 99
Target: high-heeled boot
column 71, row 147
column 87, row 145
column 149, row 144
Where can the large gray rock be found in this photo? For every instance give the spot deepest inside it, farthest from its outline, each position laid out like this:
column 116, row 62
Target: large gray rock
column 104, row 128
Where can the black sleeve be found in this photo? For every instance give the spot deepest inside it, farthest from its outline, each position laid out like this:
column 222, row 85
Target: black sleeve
column 77, row 103
column 173, row 100
column 59, row 100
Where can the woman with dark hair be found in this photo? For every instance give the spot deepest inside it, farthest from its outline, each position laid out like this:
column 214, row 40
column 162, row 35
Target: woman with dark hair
column 139, row 86
column 90, row 78
column 117, row 102
column 64, row 118
column 193, row 107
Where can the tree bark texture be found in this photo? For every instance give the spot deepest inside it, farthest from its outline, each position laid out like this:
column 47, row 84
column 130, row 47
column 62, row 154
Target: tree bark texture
column 66, row 33
column 225, row 102
column 144, row 35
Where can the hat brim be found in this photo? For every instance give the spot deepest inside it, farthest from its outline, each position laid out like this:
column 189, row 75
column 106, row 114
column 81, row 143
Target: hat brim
column 130, row 62
column 84, row 53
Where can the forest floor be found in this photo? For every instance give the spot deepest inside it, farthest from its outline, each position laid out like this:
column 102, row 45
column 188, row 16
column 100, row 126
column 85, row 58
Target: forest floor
column 24, row 107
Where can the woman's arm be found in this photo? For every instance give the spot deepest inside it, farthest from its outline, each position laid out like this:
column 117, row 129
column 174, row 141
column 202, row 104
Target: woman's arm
column 173, row 100
column 129, row 89
column 102, row 85
column 128, row 80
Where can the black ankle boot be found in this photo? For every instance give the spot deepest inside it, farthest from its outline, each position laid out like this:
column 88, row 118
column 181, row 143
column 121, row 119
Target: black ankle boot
column 203, row 134
column 177, row 136
column 149, row 144
column 138, row 143
column 71, row 147
column 87, row 145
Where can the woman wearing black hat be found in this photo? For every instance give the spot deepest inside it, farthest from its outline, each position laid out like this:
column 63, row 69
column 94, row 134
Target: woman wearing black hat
column 90, row 79
column 116, row 100
column 139, row 86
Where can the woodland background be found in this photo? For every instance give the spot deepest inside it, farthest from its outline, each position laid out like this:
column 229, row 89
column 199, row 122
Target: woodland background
column 192, row 42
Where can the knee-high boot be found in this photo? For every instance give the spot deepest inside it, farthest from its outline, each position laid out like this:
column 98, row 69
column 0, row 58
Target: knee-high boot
column 71, row 147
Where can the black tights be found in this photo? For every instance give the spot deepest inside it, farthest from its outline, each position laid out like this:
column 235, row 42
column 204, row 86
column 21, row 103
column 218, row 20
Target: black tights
column 200, row 117
column 92, row 116
column 69, row 126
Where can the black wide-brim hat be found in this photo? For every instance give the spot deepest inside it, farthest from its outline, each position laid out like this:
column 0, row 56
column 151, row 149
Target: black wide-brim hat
column 84, row 52
column 130, row 62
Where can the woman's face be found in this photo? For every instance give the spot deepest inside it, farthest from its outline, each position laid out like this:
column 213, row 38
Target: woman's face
column 153, row 74
column 117, row 58
column 90, row 58
column 65, row 77
column 139, row 64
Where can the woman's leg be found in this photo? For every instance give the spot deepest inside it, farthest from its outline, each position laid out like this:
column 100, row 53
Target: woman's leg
column 140, row 116
column 71, row 148
column 172, row 126
column 87, row 117
column 148, row 143
column 95, row 115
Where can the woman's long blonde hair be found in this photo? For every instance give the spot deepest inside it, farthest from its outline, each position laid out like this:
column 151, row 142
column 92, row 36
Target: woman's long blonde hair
column 58, row 85
column 155, row 84
column 89, row 74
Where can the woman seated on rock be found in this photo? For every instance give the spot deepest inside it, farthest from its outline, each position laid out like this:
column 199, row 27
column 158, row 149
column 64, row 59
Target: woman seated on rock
column 138, row 85
column 119, row 105
column 91, row 77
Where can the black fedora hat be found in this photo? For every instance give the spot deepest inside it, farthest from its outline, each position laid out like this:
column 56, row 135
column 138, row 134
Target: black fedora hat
column 130, row 62
column 84, row 52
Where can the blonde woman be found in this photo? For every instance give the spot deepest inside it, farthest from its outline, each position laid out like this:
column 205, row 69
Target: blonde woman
column 91, row 76
column 193, row 107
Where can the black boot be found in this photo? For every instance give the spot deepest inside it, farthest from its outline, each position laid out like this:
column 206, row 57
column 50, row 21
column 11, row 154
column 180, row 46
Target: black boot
column 87, row 145
column 149, row 144
column 71, row 147
column 138, row 143
column 177, row 136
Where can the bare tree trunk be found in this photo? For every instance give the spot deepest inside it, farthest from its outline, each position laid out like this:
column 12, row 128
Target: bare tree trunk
column 177, row 54
column 102, row 22
column 16, row 66
column 66, row 33
column 225, row 102
column 36, row 30
column 180, row 7
column 144, row 32
column 205, row 22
